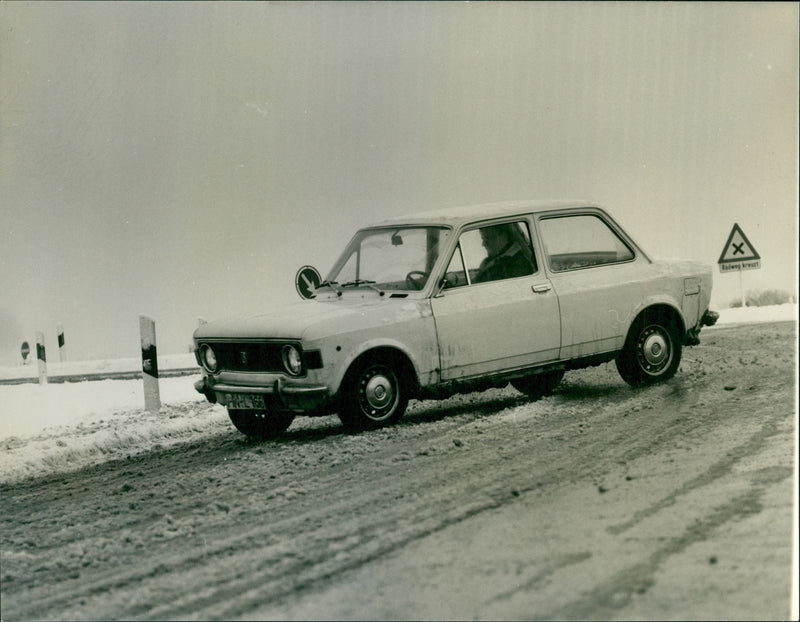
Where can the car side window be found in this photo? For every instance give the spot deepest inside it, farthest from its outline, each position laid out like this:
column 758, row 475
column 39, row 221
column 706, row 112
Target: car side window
column 582, row 241
column 491, row 253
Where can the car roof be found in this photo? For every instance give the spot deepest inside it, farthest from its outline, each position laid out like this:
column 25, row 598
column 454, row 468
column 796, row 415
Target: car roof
column 455, row 216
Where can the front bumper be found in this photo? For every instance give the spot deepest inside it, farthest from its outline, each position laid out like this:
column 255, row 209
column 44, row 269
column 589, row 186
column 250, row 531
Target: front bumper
column 283, row 395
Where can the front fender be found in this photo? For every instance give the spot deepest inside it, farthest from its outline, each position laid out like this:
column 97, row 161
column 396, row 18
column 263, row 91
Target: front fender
column 363, row 347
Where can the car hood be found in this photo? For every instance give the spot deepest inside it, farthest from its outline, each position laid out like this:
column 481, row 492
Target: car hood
column 294, row 320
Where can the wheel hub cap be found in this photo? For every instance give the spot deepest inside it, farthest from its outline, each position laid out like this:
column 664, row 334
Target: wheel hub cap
column 654, row 350
column 379, row 392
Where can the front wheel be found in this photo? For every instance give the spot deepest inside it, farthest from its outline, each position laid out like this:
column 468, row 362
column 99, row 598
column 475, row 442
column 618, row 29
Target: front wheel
column 651, row 354
column 260, row 424
column 373, row 396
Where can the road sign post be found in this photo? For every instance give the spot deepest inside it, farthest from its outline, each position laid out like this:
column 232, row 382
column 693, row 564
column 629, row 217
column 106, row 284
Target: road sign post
column 738, row 255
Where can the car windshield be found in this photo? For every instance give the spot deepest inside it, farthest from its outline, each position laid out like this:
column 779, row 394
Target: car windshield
column 397, row 258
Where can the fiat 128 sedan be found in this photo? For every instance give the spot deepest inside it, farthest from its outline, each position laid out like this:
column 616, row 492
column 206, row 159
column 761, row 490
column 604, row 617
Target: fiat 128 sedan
column 457, row 300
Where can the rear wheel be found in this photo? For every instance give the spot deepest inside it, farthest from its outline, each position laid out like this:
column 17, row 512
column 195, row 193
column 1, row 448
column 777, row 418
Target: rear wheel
column 652, row 352
column 373, row 395
column 260, row 424
column 537, row 386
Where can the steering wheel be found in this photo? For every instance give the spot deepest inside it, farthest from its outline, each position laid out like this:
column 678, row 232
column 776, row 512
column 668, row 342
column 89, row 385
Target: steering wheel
column 416, row 279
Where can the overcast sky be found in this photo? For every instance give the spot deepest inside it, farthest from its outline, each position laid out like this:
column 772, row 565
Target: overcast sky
column 183, row 160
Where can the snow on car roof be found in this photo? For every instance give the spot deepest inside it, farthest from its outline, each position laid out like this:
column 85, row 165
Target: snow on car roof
column 457, row 215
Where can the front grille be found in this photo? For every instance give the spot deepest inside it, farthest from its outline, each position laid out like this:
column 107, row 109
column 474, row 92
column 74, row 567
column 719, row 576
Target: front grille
column 255, row 357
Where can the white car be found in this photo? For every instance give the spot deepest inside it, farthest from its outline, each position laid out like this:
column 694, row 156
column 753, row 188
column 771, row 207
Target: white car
column 457, row 300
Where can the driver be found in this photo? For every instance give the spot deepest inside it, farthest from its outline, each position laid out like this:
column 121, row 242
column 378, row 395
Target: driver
column 505, row 258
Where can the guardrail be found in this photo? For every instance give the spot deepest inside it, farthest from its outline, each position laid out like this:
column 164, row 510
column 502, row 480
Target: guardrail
column 88, row 376
column 116, row 369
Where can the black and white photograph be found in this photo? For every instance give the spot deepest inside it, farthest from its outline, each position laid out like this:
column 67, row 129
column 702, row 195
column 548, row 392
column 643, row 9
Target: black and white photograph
column 402, row 310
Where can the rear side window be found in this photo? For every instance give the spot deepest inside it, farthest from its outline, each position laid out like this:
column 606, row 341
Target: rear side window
column 581, row 241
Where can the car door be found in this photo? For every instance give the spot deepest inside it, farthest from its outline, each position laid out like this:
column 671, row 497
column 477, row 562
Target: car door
column 495, row 316
column 598, row 278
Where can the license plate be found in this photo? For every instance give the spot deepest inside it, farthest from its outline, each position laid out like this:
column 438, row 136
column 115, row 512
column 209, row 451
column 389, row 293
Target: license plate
column 245, row 401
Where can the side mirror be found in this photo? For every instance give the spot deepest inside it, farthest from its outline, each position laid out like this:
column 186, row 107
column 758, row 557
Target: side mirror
column 306, row 281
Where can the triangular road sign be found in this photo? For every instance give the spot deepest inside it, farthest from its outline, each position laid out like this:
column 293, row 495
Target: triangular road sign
column 738, row 248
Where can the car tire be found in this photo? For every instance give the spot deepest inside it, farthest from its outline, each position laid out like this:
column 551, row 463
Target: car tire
column 260, row 424
column 536, row 386
column 652, row 352
column 373, row 395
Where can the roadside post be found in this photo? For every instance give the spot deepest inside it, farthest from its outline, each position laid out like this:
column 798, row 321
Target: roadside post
column 62, row 349
column 25, row 350
column 41, row 358
column 738, row 255
column 147, row 333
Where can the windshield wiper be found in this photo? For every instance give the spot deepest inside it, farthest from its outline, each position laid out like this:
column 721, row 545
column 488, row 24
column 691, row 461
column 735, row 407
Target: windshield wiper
column 368, row 283
column 332, row 285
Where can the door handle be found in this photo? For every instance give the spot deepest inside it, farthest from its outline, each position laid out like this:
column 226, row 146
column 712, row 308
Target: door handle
column 541, row 288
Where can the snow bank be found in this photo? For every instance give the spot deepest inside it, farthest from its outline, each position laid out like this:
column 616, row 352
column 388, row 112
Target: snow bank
column 63, row 427
column 27, row 409
column 751, row 315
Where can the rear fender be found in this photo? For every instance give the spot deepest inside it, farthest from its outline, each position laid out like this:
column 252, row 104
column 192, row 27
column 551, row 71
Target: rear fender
column 657, row 301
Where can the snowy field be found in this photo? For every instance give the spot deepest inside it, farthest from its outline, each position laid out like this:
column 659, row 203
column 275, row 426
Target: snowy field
column 65, row 426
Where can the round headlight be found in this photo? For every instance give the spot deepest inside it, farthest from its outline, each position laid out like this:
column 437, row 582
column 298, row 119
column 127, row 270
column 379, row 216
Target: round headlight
column 292, row 360
column 208, row 357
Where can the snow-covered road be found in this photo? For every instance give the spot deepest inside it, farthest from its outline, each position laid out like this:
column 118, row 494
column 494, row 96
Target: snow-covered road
column 598, row 502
